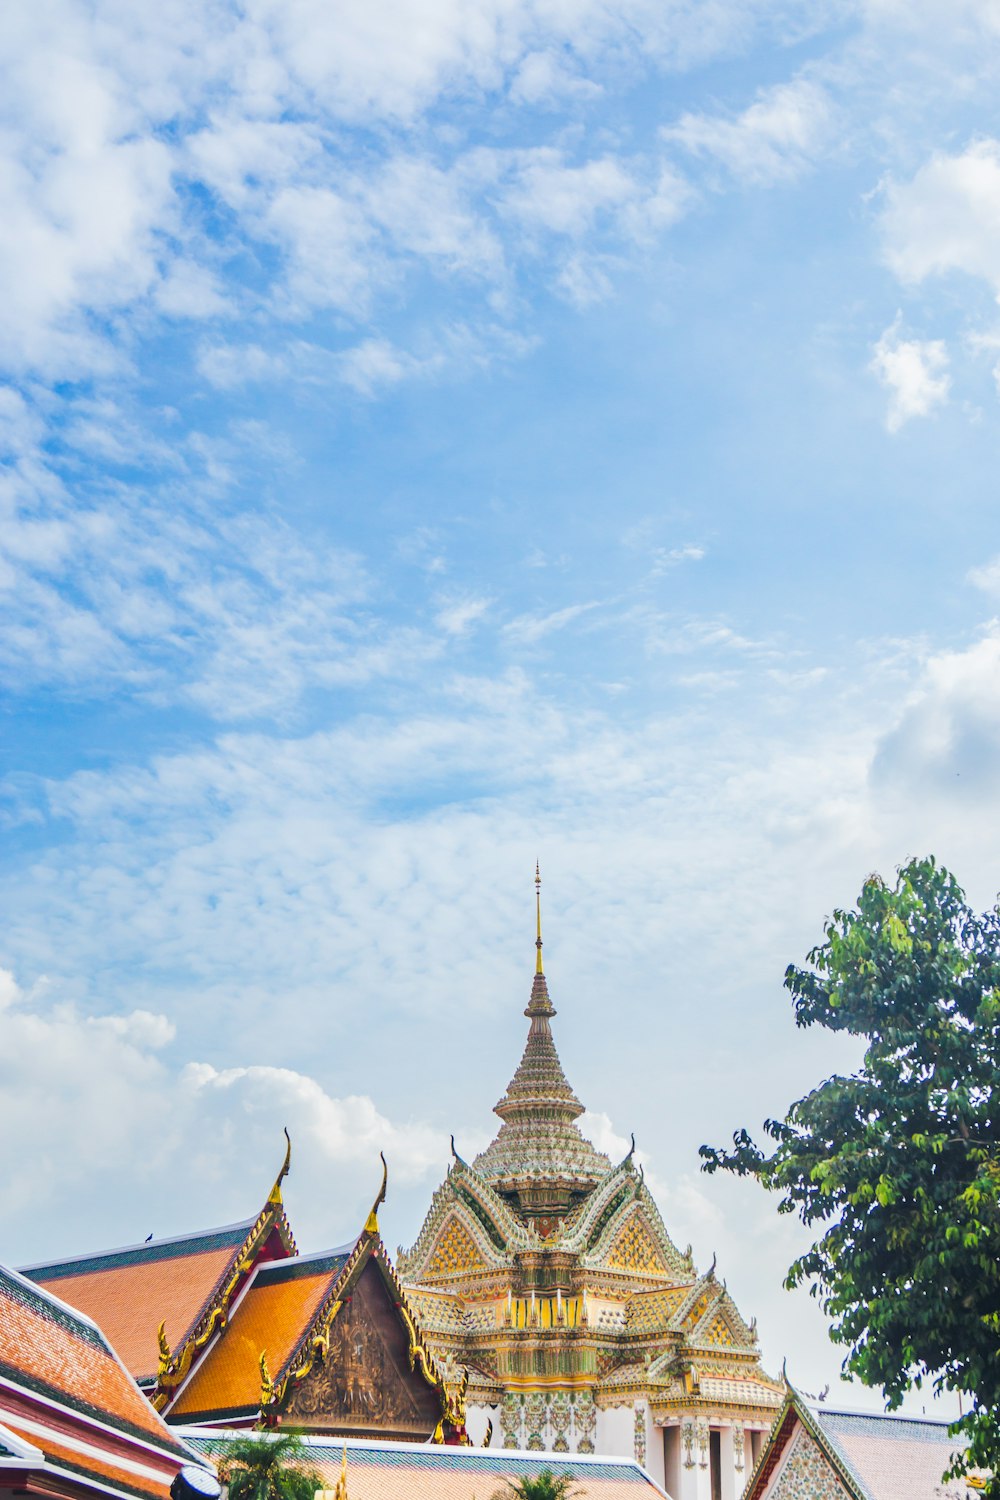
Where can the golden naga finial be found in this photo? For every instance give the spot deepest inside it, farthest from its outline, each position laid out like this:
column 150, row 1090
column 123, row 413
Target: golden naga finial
column 538, row 913
column 340, row 1493
column 371, row 1223
column 274, row 1196
column 165, row 1355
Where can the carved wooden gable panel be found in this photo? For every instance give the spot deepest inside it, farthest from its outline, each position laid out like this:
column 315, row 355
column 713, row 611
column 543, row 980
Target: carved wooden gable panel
column 365, row 1383
column 456, row 1251
column 636, row 1249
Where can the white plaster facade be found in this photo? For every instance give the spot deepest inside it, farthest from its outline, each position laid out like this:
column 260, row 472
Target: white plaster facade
column 690, row 1458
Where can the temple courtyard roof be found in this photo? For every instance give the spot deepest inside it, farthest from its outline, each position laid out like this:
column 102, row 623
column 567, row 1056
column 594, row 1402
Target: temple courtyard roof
column 403, row 1471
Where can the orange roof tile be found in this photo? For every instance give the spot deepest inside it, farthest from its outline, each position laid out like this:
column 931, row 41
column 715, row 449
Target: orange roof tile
column 99, row 1468
column 274, row 1315
column 47, row 1348
column 129, row 1298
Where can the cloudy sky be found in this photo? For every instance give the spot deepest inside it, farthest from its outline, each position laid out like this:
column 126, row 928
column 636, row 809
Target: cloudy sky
column 439, row 436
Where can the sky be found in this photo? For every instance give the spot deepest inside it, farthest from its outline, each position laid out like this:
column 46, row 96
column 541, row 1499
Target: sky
column 436, row 437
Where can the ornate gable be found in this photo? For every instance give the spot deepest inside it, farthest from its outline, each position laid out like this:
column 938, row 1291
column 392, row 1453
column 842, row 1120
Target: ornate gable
column 635, row 1249
column 627, row 1236
column 468, row 1231
column 455, row 1253
column 366, row 1381
column 719, row 1325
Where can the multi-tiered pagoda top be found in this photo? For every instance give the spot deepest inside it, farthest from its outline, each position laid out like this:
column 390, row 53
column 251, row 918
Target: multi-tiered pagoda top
column 539, row 1162
column 544, row 1270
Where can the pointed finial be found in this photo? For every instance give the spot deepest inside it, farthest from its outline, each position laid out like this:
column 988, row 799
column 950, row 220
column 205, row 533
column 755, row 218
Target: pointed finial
column 538, row 912
column 371, row 1223
column 275, row 1194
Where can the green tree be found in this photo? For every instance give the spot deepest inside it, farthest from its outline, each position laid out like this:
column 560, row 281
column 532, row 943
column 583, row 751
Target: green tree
column 897, row 1167
column 259, row 1467
column 541, row 1486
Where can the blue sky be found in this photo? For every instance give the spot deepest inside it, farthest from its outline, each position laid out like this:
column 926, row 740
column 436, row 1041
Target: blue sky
column 435, row 437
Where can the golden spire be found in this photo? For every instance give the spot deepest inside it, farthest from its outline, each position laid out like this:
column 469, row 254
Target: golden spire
column 538, row 913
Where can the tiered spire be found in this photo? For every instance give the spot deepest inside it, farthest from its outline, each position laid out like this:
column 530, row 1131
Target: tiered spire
column 539, row 1142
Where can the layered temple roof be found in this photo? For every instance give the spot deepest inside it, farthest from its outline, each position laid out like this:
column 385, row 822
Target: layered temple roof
column 261, row 1332
column 72, row 1420
column 169, row 1296
column 546, row 1270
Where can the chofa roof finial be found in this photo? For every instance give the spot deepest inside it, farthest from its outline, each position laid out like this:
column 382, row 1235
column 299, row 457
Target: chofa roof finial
column 275, row 1194
column 538, row 913
column 371, row 1223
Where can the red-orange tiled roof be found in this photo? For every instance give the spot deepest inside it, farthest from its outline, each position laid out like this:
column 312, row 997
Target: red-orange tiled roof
column 272, row 1317
column 47, row 1349
column 96, row 1467
column 129, row 1292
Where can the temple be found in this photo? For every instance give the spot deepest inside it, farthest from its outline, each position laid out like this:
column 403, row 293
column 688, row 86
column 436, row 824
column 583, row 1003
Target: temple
column 233, row 1327
column 545, row 1270
column 73, row 1426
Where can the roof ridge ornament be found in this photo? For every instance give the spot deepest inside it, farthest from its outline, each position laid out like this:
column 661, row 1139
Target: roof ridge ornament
column 371, row 1223
column 274, row 1196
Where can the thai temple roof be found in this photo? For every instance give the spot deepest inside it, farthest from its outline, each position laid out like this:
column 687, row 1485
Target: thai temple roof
column 275, row 1313
column 378, row 1470
column 257, row 1327
column 184, row 1283
column 68, row 1406
column 860, row 1455
column 539, row 1138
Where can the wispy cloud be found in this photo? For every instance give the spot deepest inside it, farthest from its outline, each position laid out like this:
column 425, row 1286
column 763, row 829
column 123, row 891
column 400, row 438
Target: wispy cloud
column 527, row 629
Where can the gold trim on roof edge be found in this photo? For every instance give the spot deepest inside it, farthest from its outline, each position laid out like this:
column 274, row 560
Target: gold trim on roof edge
column 175, row 1365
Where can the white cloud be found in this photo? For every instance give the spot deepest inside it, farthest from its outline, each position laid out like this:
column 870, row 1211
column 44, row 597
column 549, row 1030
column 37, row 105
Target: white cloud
column 375, row 364
column 786, row 128
column 548, row 193
column 915, row 373
column 947, row 217
column 946, row 742
column 987, row 576
column 227, row 366
column 124, row 141
column 83, row 1089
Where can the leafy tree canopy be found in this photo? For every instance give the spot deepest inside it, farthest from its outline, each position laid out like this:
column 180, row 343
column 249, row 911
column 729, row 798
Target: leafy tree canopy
column 897, row 1168
column 259, row 1467
column 542, row 1486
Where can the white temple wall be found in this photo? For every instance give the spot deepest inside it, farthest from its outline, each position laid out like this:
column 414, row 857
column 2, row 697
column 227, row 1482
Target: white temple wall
column 690, row 1452
column 616, row 1431
column 477, row 1419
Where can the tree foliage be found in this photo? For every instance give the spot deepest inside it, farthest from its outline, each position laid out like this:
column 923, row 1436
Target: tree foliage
column 259, row 1467
column 542, row 1486
column 897, row 1168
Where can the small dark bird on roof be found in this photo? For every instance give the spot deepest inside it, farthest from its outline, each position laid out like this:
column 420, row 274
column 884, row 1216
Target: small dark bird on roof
column 147, row 1239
